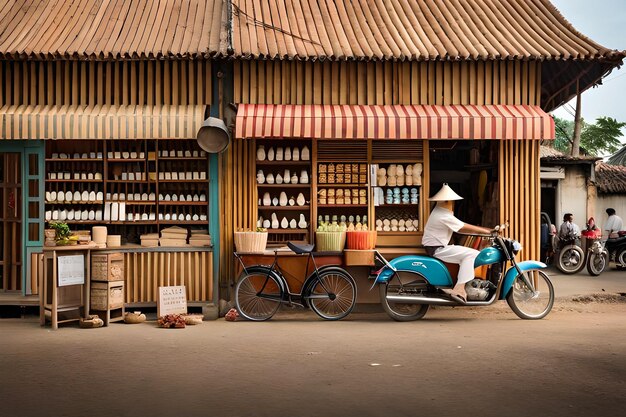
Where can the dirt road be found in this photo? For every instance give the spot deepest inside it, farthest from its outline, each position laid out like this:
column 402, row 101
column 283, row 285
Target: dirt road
column 455, row 362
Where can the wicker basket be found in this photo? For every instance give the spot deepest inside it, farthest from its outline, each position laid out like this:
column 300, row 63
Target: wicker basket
column 330, row 241
column 250, row 242
column 361, row 239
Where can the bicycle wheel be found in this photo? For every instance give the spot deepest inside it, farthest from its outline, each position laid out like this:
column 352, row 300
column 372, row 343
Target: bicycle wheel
column 403, row 284
column 333, row 294
column 258, row 295
column 531, row 305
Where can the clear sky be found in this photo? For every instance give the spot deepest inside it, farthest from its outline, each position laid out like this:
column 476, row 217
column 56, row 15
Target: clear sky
column 603, row 21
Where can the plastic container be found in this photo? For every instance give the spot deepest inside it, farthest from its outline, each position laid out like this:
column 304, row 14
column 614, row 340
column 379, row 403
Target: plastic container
column 250, row 242
column 330, row 241
column 361, row 239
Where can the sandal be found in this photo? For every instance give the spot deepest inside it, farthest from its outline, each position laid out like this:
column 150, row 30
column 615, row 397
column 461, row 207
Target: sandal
column 459, row 298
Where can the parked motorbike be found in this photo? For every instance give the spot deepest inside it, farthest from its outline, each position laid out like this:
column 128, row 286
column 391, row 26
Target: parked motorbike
column 602, row 251
column 410, row 284
column 570, row 257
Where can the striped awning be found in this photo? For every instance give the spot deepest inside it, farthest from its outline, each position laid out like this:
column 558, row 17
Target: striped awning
column 393, row 122
column 101, row 122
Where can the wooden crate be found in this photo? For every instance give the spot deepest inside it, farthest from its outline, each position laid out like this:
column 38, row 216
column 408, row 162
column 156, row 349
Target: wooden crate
column 107, row 267
column 107, row 295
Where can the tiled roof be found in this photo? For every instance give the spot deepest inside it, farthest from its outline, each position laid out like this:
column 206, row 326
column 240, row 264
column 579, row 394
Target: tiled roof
column 112, row 29
column 408, row 29
column 610, row 179
column 549, row 154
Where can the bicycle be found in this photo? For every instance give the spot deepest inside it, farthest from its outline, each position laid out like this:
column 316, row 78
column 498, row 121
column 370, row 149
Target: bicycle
column 330, row 291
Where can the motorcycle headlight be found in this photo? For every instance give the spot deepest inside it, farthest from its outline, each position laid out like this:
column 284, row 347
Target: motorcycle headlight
column 517, row 247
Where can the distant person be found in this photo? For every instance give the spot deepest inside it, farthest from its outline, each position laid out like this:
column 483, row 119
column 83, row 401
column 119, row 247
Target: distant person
column 613, row 224
column 569, row 230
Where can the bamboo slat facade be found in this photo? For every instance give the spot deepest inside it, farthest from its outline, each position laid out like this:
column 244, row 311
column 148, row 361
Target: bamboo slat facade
column 145, row 272
column 425, row 31
column 73, row 83
column 387, row 83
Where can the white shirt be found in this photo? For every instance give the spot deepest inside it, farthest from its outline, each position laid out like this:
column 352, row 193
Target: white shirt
column 440, row 226
column 615, row 224
column 568, row 228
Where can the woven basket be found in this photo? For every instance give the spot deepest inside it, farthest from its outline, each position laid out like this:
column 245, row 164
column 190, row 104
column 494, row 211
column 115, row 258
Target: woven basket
column 361, row 240
column 134, row 317
column 250, row 242
column 330, row 241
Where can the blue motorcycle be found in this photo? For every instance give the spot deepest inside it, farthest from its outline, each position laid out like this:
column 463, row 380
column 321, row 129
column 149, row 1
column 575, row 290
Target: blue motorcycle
column 410, row 284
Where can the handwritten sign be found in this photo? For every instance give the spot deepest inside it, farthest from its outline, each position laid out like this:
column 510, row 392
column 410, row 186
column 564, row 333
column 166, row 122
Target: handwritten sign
column 71, row 270
column 172, row 300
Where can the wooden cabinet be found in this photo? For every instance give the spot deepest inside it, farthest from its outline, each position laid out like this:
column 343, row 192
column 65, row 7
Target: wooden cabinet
column 344, row 182
column 284, row 190
column 134, row 187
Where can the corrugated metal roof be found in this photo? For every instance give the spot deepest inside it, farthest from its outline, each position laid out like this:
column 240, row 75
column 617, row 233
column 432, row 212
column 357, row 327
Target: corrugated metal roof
column 408, row 29
column 112, row 29
column 610, row 179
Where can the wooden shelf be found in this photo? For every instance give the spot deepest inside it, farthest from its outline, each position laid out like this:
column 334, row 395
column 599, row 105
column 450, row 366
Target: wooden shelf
column 129, row 182
column 293, row 208
column 126, row 159
column 273, row 163
column 182, row 158
column 283, row 185
column 394, row 186
column 182, row 203
column 82, row 221
column 319, row 206
column 75, row 160
column 187, row 181
column 288, row 231
column 71, row 203
column 399, row 233
column 134, row 202
column 73, row 180
column 397, row 205
column 319, row 185
column 191, row 222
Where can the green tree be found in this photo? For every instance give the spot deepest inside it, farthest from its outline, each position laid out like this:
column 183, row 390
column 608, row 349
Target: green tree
column 564, row 130
column 597, row 139
column 602, row 137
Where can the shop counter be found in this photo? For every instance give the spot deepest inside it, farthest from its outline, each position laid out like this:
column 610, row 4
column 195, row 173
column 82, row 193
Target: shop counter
column 148, row 268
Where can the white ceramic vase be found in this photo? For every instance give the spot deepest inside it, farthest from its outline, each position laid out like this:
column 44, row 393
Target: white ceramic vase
column 302, row 222
column 260, row 154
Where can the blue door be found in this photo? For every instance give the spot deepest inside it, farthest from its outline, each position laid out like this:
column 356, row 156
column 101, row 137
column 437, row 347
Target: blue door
column 21, row 213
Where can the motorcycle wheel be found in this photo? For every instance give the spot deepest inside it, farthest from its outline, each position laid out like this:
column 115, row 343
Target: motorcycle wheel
column 411, row 284
column 526, row 304
column 596, row 263
column 570, row 259
column 620, row 259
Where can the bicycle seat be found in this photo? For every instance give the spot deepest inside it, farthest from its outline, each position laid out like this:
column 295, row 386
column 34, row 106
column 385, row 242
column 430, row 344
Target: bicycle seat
column 300, row 248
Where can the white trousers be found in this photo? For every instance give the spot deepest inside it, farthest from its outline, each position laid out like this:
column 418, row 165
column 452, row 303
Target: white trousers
column 461, row 255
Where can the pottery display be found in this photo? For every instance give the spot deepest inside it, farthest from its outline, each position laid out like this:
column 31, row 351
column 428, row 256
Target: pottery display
column 260, row 153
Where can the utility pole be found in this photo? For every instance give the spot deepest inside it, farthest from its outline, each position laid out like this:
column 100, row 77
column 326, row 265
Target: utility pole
column 577, row 124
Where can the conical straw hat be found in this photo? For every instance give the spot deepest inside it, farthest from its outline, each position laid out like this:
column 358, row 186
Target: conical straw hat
column 445, row 194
